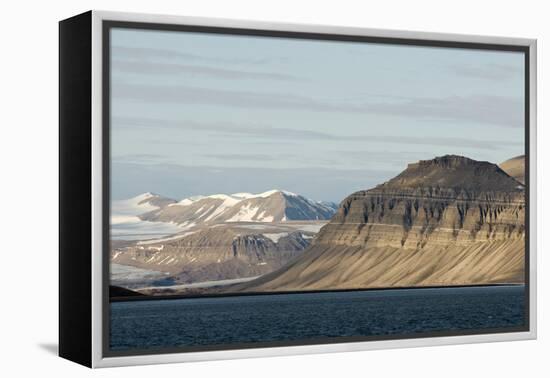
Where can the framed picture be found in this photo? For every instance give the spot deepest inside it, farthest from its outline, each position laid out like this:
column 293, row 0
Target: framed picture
column 232, row 189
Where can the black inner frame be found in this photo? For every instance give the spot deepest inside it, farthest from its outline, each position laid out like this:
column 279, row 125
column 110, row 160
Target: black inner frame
column 106, row 165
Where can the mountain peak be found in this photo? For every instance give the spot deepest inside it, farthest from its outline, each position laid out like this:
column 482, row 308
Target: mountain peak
column 270, row 206
column 153, row 199
column 454, row 172
column 449, row 161
column 265, row 194
column 143, row 196
column 234, row 197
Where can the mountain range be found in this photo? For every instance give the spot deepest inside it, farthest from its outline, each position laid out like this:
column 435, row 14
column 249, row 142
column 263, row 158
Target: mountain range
column 270, row 206
column 445, row 221
column 213, row 238
column 441, row 222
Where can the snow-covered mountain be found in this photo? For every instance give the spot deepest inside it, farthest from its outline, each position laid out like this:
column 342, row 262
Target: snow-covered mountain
column 211, row 238
column 126, row 223
column 270, row 206
column 139, row 204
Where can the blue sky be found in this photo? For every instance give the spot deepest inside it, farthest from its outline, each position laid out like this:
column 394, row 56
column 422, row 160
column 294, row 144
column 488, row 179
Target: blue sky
column 196, row 113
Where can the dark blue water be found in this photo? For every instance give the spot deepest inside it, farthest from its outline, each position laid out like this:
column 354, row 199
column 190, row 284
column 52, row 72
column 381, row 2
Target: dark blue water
column 298, row 317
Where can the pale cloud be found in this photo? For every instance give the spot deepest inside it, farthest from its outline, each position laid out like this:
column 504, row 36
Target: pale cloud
column 164, row 69
column 285, row 133
column 152, row 53
column 488, row 71
column 486, row 109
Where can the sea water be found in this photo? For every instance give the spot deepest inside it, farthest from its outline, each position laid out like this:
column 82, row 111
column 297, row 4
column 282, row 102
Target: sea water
column 314, row 316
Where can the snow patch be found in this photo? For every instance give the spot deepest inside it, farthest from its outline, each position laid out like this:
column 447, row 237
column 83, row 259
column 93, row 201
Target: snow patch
column 141, row 230
column 228, row 203
column 263, row 218
column 133, row 206
column 222, row 197
column 245, row 214
column 200, row 209
column 125, row 274
column 170, row 261
column 275, row 237
column 164, row 240
column 308, row 227
column 243, row 195
column 187, row 201
column 290, row 194
column 116, row 254
column 163, row 260
column 266, row 194
column 121, row 219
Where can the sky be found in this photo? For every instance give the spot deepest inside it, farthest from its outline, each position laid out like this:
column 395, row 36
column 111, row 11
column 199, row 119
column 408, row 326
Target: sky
column 198, row 113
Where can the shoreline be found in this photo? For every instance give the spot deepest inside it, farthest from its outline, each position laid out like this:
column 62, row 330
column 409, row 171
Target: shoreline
column 260, row 293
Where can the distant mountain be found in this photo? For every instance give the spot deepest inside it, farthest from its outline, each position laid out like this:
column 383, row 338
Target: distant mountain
column 219, row 252
column 515, row 167
column 140, row 204
column 445, row 221
column 212, row 238
column 270, row 206
column 331, row 205
column 125, row 221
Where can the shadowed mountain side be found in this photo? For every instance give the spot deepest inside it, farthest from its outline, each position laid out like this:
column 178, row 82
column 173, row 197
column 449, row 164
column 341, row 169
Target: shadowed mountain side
column 446, row 221
column 515, row 167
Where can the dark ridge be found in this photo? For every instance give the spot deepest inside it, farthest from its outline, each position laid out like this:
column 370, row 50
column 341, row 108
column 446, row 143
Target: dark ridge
column 229, row 293
column 450, row 161
column 119, row 292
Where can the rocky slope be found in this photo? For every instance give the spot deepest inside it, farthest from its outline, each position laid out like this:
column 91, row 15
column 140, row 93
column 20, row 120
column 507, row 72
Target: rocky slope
column 219, row 252
column 515, row 167
column 271, row 206
column 446, row 221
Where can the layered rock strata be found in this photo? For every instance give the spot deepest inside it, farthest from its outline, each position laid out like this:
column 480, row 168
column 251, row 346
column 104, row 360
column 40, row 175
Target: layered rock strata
column 446, row 221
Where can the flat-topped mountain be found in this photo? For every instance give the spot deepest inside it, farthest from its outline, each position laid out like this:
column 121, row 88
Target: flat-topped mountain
column 515, row 167
column 270, row 206
column 453, row 172
column 446, row 221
